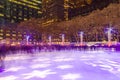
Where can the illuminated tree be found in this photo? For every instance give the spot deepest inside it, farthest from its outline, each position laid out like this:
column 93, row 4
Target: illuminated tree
column 92, row 25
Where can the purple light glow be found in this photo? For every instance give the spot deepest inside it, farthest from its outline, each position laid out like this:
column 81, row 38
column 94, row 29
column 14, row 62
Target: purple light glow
column 110, row 29
column 27, row 37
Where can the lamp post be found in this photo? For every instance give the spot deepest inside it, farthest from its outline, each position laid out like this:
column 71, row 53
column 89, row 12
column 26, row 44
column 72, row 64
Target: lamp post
column 81, row 38
column 27, row 39
column 109, row 34
column 50, row 40
column 63, row 39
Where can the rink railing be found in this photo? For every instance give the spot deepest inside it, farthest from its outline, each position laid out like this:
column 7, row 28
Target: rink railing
column 59, row 43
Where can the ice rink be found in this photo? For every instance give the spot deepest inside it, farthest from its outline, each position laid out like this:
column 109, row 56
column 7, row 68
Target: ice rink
column 62, row 65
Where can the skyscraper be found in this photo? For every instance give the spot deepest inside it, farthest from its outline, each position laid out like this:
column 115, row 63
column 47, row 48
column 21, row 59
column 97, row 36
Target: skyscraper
column 14, row 11
column 53, row 10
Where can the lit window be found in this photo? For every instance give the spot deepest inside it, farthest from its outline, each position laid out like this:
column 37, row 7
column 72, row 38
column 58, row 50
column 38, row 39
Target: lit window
column 13, row 34
column 1, row 34
column 20, row 35
column 1, row 37
column 7, row 34
column 1, row 30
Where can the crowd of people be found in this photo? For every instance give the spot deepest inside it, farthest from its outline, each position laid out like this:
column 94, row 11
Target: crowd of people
column 31, row 49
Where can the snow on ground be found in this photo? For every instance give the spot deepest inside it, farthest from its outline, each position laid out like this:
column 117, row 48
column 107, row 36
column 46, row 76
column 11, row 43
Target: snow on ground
column 62, row 65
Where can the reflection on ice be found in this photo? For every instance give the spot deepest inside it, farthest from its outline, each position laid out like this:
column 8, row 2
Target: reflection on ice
column 40, row 66
column 63, row 59
column 106, row 67
column 65, row 66
column 71, row 76
column 41, row 59
column 11, row 77
column 14, row 69
column 38, row 73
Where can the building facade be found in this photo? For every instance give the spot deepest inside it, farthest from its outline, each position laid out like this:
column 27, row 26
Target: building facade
column 59, row 10
column 14, row 11
column 13, row 35
column 53, row 10
column 84, row 7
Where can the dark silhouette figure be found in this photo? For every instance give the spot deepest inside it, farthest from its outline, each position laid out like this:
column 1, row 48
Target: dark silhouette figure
column 2, row 56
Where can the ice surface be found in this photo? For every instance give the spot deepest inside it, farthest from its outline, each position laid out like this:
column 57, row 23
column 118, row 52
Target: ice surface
column 62, row 65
